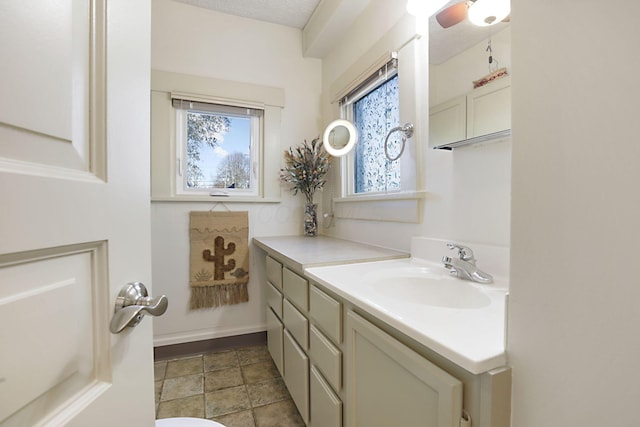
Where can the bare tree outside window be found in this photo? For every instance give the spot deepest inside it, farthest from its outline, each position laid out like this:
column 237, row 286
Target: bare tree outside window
column 203, row 130
column 218, row 151
column 234, row 171
column 218, row 147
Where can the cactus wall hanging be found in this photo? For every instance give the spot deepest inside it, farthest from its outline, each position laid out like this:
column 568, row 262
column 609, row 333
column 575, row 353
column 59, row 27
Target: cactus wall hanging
column 219, row 258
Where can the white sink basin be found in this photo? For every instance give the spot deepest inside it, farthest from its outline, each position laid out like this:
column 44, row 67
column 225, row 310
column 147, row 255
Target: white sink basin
column 426, row 286
column 461, row 320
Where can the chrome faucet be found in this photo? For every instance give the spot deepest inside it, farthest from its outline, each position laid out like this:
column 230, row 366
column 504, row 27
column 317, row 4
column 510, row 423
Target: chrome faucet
column 464, row 267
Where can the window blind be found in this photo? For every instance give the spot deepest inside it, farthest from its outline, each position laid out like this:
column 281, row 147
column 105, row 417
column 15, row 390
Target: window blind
column 379, row 72
column 190, row 102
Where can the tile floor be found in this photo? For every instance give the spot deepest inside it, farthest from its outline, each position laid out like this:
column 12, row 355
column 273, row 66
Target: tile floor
column 238, row 388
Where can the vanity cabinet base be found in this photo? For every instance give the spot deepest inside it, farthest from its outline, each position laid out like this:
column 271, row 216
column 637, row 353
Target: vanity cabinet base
column 345, row 367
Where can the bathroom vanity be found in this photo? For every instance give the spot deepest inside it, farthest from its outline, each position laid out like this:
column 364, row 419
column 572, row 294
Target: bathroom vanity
column 347, row 362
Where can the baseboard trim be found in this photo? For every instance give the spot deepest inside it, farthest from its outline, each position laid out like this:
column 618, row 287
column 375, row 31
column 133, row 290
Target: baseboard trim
column 204, row 334
column 211, row 345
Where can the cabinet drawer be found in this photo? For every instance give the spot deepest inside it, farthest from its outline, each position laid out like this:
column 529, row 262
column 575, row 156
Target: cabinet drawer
column 326, row 312
column 275, row 332
column 326, row 407
column 296, row 288
column 296, row 323
column 296, row 375
column 327, row 356
column 274, row 272
column 274, row 299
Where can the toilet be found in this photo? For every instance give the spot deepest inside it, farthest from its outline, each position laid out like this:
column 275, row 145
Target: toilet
column 186, row 422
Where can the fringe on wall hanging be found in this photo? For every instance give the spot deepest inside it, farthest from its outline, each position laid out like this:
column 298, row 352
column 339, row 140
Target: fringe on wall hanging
column 219, row 258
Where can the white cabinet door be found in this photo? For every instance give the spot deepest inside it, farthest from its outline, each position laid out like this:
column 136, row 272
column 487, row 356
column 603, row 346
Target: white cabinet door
column 325, row 406
column 389, row 384
column 489, row 108
column 275, row 337
column 74, row 222
column 296, row 375
column 448, row 121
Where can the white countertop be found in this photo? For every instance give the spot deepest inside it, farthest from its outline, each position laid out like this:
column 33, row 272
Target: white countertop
column 473, row 338
column 303, row 252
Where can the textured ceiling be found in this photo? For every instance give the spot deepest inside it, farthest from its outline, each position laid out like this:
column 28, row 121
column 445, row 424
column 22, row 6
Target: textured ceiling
column 292, row 13
column 443, row 43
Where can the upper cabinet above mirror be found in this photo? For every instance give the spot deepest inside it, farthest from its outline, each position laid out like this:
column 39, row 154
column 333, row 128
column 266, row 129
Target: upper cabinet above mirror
column 459, row 56
column 481, row 115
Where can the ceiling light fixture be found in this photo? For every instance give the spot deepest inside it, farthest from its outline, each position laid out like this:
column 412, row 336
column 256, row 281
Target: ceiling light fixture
column 488, row 12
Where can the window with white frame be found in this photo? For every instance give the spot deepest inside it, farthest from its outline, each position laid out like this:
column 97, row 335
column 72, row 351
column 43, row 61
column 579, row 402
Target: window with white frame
column 389, row 82
column 374, row 108
column 220, row 112
column 218, row 148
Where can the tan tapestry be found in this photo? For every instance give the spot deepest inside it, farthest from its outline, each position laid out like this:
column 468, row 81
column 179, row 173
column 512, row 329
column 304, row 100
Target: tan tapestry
column 219, row 258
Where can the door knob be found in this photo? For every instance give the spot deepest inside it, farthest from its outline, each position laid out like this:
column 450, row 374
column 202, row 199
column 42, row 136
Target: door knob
column 132, row 303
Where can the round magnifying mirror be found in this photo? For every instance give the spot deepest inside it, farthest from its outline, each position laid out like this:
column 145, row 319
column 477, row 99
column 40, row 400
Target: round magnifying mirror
column 339, row 137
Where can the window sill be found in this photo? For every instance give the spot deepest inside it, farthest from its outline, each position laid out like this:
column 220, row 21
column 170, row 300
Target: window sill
column 389, row 207
column 405, row 195
column 214, row 199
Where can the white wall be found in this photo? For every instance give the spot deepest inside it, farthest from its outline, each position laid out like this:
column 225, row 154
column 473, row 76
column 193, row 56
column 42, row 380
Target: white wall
column 574, row 340
column 191, row 40
column 468, row 190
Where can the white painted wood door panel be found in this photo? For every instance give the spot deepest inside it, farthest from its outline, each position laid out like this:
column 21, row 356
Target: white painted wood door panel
column 74, row 222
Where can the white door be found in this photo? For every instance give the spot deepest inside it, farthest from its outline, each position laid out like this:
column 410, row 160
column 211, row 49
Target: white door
column 74, row 215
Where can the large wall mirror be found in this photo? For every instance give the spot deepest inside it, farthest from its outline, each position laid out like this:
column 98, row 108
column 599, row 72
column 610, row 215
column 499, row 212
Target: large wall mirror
column 458, row 56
